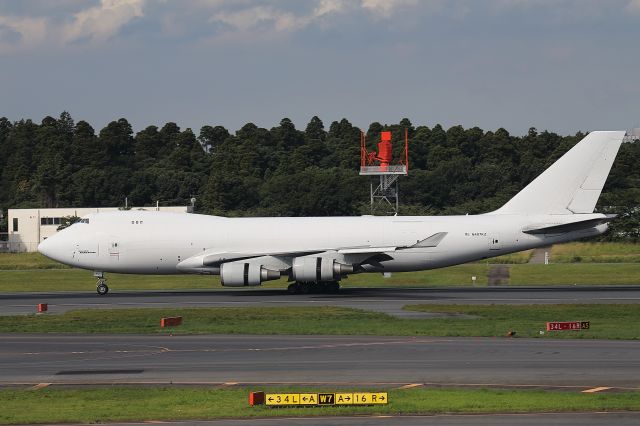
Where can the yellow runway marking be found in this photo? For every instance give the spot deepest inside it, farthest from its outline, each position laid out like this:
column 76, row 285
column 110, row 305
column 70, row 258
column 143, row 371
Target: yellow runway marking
column 594, row 390
column 410, row 385
column 40, row 386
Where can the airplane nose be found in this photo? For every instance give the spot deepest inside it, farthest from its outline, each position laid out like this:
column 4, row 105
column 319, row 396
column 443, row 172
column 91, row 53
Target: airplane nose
column 52, row 248
column 45, row 247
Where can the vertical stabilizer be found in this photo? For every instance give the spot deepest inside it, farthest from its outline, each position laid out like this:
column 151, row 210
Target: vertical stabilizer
column 573, row 183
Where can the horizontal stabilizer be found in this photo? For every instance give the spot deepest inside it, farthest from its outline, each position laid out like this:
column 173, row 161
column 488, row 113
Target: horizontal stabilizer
column 567, row 227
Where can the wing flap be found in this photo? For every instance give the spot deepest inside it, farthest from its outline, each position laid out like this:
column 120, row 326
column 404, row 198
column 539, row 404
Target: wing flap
column 367, row 250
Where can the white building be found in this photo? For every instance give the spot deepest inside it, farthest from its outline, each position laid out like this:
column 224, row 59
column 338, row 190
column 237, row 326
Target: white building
column 632, row 135
column 29, row 227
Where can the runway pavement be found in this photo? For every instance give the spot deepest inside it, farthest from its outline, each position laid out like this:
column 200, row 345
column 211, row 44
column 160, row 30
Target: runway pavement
column 535, row 419
column 574, row 365
column 386, row 300
column 329, row 362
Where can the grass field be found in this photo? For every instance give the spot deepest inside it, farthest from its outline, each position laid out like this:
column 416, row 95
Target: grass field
column 119, row 404
column 14, row 261
column 513, row 258
column 46, row 280
column 607, row 321
column 596, row 253
column 576, row 274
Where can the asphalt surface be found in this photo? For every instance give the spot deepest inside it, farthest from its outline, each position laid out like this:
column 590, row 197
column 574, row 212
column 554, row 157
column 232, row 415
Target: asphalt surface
column 389, row 362
column 572, row 419
column 386, row 300
column 330, row 362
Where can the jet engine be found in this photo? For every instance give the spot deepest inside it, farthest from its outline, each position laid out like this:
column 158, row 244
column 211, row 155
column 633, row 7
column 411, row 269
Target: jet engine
column 240, row 274
column 316, row 269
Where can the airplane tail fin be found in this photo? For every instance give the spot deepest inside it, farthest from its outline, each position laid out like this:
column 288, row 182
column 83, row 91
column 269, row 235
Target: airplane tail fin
column 573, row 183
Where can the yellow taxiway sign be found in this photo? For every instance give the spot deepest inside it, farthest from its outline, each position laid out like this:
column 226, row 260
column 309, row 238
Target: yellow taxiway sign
column 341, row 398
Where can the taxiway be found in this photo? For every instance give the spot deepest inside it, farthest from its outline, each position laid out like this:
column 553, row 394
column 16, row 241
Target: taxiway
column 576, row 365
column 386, row 300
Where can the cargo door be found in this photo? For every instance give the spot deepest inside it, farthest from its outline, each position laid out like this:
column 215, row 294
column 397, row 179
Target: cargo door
column 114, row 248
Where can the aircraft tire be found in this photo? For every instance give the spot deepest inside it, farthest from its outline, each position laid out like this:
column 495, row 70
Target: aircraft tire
column 102, row 289
column 293, row 288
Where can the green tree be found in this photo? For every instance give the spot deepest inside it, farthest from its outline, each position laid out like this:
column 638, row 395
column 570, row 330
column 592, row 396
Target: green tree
column 315, row 130
column 210, row 137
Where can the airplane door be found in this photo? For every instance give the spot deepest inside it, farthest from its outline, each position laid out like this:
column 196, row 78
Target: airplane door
column 495, row 241
column 114, row 250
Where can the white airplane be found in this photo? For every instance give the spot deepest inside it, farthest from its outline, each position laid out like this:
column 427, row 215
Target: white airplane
column 556, row 207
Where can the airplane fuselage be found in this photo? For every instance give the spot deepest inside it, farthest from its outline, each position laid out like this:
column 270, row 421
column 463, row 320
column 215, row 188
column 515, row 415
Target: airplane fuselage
column 140, row 242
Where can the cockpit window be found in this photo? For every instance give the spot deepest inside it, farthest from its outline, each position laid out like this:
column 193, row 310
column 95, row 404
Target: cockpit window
column 84, row 220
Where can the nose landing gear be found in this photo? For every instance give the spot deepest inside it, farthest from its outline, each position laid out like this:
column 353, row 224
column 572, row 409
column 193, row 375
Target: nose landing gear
column 101, row 285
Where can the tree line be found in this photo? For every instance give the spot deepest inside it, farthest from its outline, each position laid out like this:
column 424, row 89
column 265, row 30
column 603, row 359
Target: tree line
column 284, row 171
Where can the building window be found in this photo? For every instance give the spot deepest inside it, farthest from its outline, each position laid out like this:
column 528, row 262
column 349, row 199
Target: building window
column 50, row 221
column 15, row 224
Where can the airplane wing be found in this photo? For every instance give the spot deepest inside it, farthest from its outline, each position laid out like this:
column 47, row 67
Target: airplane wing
column 209, row 259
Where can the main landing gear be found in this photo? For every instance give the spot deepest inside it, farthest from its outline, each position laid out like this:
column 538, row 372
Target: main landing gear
column 101, row 285
column 314, row 287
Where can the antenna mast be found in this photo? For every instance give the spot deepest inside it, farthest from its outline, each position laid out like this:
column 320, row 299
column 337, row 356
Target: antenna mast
column 384, row 195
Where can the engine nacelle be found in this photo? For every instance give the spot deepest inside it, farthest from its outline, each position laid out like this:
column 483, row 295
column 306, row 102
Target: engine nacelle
column 240, row 274
column 316, row 269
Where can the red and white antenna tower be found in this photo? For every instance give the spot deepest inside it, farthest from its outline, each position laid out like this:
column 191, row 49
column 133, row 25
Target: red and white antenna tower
column 383, row 164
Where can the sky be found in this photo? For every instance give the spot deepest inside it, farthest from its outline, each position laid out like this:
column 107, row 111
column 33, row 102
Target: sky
column 560, row 65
